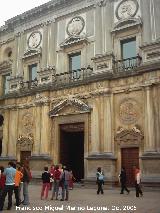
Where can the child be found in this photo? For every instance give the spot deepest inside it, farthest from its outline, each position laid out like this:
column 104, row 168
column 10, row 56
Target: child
column 46, row 182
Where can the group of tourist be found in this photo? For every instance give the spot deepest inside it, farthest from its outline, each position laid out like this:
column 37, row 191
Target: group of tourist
column 11, row 179
column 58, row 179
column 62, row 180
column 122, row 179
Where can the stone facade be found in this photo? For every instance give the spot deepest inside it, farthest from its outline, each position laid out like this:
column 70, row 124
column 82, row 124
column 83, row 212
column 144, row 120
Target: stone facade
column 119, row 108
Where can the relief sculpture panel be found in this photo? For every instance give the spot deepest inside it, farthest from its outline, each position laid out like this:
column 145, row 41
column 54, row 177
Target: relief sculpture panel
column 129, row 111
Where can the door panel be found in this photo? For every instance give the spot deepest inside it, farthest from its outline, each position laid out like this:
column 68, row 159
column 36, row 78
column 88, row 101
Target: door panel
column 129, row 158
column 25, row 155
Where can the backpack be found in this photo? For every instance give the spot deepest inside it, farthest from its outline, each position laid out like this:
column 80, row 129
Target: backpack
column 100, row 176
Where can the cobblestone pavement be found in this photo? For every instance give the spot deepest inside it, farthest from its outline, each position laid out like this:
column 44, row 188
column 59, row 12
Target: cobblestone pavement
column 86, row 200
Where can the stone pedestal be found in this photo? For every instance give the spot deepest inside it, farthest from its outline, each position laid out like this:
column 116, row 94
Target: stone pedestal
column 108, row 164
column 150, row 169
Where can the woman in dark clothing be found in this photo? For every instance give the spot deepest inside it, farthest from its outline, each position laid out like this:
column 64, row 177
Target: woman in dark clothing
column 46, row 183
column 123, row 179
column 100, row 180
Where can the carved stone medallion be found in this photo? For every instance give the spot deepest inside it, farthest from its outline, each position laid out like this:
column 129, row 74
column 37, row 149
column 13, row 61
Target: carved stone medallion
column 27, row 122
column 75, row 26
column 34, row 39
column 126, row 9
column 129, row 111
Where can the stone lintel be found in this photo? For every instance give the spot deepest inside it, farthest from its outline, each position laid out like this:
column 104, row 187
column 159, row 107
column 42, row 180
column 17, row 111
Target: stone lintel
column 107, row 156
column 40, row 157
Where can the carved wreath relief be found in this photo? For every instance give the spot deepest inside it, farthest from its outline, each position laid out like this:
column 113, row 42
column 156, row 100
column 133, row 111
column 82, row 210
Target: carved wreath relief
column 129, row 111
column 34, row 39
column 127, row 9
column 27, row 122
column 75, row 26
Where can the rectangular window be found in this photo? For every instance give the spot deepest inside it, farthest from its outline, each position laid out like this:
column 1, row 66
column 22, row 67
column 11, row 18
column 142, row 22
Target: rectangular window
column 75, row 61
column 32, row 72
column 75, row 66
column 128, row 48
column 6, row 83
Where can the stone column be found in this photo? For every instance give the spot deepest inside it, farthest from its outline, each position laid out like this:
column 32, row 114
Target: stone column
column 13, row 123
column 15, row 55
column 52, row 32
column 45, row 46
column 149, row 133
column 37, row 133
column 5, row 134
column 107, row 26
column 156, row 101
column 98, row 30
column 95, row 140
column 20, row 54
column 45, row 131
column 108, row 123
column 145, row 10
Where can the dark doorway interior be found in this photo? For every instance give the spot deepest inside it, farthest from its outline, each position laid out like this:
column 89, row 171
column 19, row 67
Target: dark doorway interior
column 130, row 158
column 72, row 149
column 24, row 155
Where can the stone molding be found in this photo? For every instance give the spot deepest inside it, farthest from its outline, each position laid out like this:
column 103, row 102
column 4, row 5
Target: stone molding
column 150, row 156
column 127, row 23
column 74, row 40
column 5, row 66
column 25, row 143
column 80, row 105
column 108, row 156
column 129, row 137
column 58, row 7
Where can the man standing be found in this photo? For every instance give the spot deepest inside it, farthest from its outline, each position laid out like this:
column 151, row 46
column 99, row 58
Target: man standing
column 123, row 180
column 9, row 185
column 64, row 180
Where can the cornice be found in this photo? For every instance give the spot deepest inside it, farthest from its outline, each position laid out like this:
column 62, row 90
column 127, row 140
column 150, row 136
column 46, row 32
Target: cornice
column 57, row 7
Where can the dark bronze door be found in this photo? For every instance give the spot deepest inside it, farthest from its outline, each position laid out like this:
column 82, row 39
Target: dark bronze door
column 25, row 155
column 130, row 158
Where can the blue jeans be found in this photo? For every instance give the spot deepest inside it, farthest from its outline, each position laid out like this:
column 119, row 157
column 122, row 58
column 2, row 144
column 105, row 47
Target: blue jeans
column 7, row 189
column 25, row 193
column 65, row 189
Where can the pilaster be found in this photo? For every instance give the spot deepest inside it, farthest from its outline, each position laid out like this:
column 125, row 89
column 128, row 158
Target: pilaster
column 95, row 139
column 45, row 130
column 5, row 134
column 98, row 30
column 45, row 46
column 13, row 123
column 107, row 124
column 149, row 144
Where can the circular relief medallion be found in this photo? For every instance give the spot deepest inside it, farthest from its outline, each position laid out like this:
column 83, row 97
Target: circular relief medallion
column 34, row 39
column 27, row 122
column 126, row 9
column 75, row 26
column 129, row 111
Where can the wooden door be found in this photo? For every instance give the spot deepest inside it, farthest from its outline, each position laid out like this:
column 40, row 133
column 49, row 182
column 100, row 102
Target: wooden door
column 130, row 158
column 25, row 155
